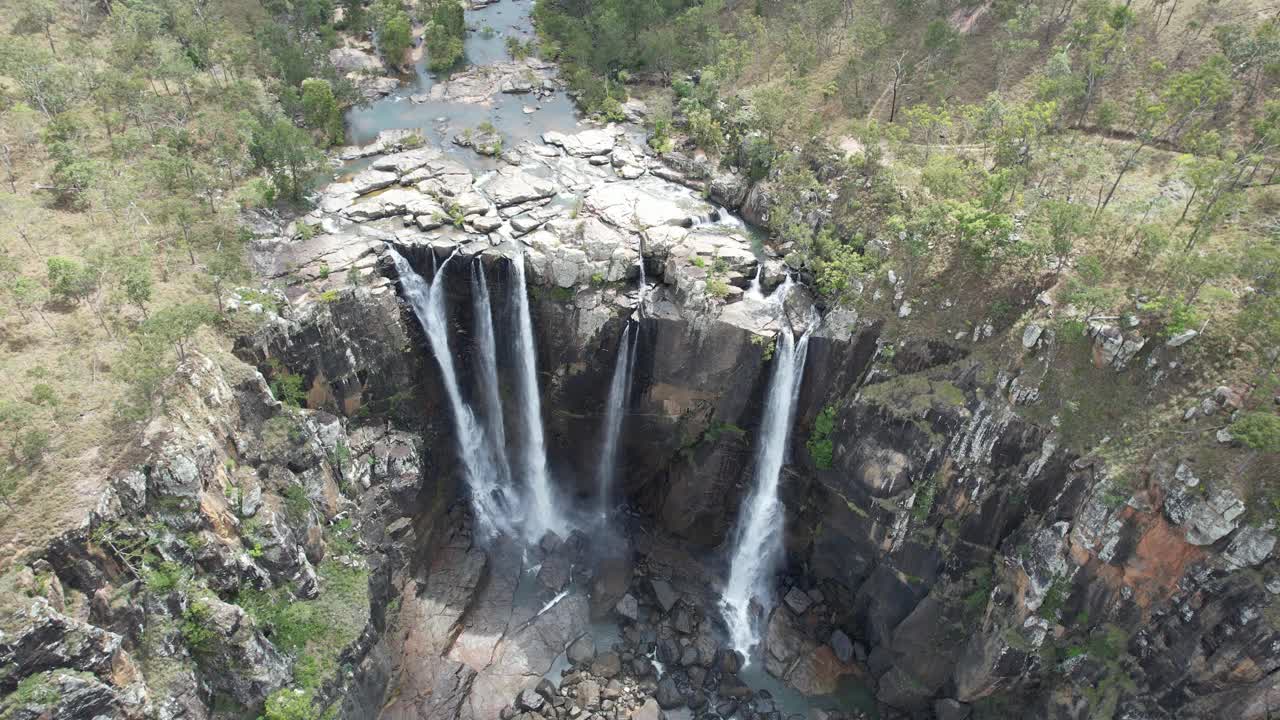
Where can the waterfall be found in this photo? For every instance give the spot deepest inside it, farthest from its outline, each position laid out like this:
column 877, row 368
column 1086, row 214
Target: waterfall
column 544, row 515
column 486, row 346
column 619, row 394
column 758, row 537
column 754, row 291
column 428, row 303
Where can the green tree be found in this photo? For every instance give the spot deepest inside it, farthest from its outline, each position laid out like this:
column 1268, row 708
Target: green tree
column 320, row 109
column 287, row 154
column 445, row 33
column 394, row 31
column 38, row 16
column 135, row 281
column 1063, row 221
column 27, row 294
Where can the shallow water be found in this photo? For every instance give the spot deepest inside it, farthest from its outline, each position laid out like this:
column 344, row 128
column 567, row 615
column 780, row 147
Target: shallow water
column 439, row 121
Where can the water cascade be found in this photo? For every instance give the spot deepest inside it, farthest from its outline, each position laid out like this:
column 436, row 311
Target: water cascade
column 428, row 302
column 543, row 514
column 486, row 346
column 758, row 537
column 754, row 290
column 619, row 395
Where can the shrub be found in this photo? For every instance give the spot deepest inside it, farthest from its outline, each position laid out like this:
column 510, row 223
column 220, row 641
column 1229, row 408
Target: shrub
column 718, row 288
column 1258, row 430
column 289, row 704
column 195, row 626
column 819, row 443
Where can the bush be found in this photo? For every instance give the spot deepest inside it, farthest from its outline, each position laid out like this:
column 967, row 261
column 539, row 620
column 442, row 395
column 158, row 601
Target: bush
column 1258, row 430
column 819, row 444
column 195, row 626
column 289, row 704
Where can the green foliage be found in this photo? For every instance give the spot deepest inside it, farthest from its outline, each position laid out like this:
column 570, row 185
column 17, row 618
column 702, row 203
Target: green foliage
column 165, row 578
column 520, row 49
column 195, row 628
column 819, row 444
column 287, row 387
column 287, row 154
column 770, row 344
column 445, row 34
column 320, row 110
column 1055, row 598
column 717, row 288
column 924, row 497
column 70, row 281
column 297, row 505
column 394, row 30
column 290, row 704
column 1258, row 430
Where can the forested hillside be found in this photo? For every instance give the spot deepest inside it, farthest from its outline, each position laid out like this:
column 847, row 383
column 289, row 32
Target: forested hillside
column 131, row 135
column 1122, row 156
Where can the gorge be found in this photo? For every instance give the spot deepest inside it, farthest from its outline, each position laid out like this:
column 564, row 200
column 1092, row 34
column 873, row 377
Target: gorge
column 576, row 442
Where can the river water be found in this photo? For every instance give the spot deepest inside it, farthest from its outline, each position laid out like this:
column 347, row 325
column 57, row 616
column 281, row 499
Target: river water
column 489, row 27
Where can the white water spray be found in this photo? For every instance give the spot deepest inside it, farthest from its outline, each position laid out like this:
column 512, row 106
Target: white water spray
column 428, row 303
column 619, row 395
column 758, row 538
column 544, row 515
column 486, row 345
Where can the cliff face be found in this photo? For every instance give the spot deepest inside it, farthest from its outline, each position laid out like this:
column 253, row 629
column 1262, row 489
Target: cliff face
column 943, row 549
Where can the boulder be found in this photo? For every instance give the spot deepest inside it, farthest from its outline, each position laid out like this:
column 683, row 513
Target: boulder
column 530, row 701
column 798, row 600
column 669, row 696
column 629, row 607
column 513, row 186
column 842, row 646
column 950, row 709
column 1251, row 546
column 663, row 593
column 587, row 143
column 607, row 665
column 366, row 181
column 650, row 710
column 582, row 651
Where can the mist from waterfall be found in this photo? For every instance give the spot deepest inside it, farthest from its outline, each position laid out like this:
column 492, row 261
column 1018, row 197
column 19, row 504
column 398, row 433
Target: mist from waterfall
column 482, row 477
column 543, row 513
column 758, row 536
column 619, row 397
column 486, row 346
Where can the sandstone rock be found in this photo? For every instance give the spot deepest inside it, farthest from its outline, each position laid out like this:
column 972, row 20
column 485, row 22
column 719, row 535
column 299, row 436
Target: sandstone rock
column 402, row 163
column 369, row 180
column 1181, row 338
column 512, row 186
column 587, row 143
